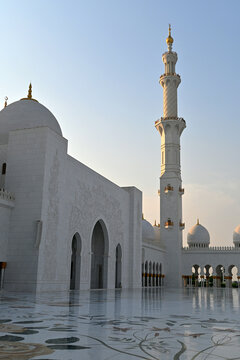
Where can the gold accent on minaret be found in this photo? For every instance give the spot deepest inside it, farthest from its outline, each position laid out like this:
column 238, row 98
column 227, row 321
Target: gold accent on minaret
column 197, row 221
column 142, row 216
column 169, row 39
column 155, row 223
column 5, row 103
column 29, row 97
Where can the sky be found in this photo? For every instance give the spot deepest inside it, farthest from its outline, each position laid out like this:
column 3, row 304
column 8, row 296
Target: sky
column 96, row 64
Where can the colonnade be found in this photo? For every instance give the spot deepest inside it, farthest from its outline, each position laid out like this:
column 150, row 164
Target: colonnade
column 207, row 276
column 152, row 274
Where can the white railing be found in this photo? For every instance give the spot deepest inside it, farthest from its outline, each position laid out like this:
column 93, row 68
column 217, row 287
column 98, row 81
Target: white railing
column 212, row 248
column 6, row 195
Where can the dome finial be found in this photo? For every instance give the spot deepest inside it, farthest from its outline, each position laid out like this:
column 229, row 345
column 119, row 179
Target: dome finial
column 169, row 39
column 197, row 221
column 29, row 97
column 30, row 92
column 142, row 216
column 5, row 103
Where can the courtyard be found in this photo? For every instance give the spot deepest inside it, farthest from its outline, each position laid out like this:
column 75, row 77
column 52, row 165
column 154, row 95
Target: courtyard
column 148, row 323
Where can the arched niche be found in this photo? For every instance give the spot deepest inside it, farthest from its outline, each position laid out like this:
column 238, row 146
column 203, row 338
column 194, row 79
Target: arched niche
column 75, row 262
column 99, row 260
column 118, row 269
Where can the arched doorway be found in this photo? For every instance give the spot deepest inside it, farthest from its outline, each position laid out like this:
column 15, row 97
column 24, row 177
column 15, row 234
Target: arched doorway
column 75, row 262
column 99, row 263
column 118, row 270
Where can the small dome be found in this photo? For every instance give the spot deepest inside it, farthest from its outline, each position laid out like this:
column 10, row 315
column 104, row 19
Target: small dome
column 148, row 232
column 198, row 235
column 236, row 236
column 26, row 114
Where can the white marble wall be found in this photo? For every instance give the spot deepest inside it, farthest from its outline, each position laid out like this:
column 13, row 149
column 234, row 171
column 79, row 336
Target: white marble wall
column 64, row 196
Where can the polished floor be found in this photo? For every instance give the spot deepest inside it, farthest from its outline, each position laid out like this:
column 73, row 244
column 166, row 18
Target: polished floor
column 121, row 325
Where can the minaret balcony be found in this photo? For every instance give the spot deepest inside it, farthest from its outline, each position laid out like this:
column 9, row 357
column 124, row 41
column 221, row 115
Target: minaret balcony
column 168, row 189
column 170, row 74
column 181, row 225
column 181, row 191
column 168, row 224
column 170, row 118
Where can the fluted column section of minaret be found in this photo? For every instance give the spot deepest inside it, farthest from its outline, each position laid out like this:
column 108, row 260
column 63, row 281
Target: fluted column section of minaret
column 170, row 99
column 170, row 83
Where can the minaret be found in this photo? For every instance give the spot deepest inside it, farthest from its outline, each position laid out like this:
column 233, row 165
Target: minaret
column 170, row 127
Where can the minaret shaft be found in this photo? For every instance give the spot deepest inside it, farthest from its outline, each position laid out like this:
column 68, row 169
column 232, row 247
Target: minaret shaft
column 170, row 127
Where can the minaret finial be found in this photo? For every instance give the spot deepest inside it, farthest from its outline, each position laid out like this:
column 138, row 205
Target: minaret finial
column 5, row 103
column 169, row 39
column 197, row 221
column 30, row 92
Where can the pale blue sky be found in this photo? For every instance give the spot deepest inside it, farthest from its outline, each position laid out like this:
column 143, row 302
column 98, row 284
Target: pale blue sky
column 96, row 65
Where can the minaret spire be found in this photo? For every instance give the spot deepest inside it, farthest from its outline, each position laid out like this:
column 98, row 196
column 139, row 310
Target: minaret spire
column 170, row 127
column 169, row 39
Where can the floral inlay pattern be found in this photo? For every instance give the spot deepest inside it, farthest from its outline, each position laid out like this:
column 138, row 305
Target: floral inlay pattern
column 148, row 324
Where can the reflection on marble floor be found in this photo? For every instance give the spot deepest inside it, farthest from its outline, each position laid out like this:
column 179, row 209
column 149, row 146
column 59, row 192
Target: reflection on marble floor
column 121, row 325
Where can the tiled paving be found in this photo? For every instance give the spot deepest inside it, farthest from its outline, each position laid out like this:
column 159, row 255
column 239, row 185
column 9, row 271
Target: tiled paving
column 121, row 325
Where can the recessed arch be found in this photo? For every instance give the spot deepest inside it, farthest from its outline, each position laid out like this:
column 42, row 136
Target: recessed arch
column 118, row 268
column 150, row 274
column 146, row 273
column 4, row 168
column 75, row 262
column 196, row 270
column 99, row 259
column 157, row 274
column 154, row 275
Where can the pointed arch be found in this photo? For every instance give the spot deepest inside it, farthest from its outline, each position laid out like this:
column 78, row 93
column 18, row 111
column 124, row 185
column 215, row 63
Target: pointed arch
column 99, row 260
column 118, row 269
column 75, row 262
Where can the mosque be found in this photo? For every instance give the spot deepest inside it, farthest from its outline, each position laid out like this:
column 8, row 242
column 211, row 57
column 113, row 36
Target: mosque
column 61, row 232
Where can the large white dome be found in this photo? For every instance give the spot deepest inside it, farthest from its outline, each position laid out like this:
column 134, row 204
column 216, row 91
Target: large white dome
column 26, row 114
column 148, row 232
column 198, row 236
column 236, row 236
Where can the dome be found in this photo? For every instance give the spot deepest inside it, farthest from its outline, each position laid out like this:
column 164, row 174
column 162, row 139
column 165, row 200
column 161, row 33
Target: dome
column 236, row 236
column 26, row 114
column 148, row 232
column 198, row 236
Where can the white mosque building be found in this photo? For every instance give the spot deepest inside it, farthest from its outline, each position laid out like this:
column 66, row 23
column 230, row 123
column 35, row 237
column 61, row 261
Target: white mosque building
column 61, row 232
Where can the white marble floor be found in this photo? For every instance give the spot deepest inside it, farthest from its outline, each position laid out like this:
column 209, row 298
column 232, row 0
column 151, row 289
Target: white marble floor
column 121, row 325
